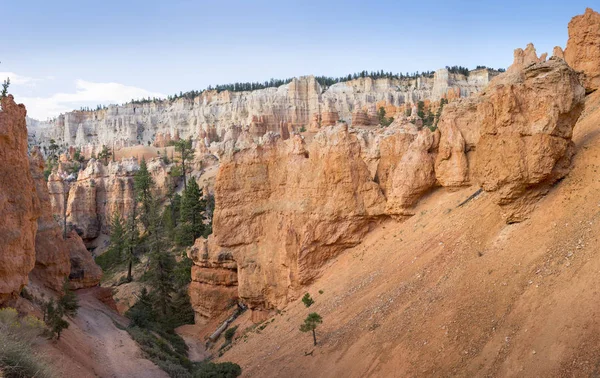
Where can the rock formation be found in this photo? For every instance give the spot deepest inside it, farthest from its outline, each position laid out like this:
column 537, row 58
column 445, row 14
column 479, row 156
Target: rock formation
column 52, row 264
column 99, row 192
column 84, row 271
column 583, row 47
column 214, row 280
column 19, row 206
column 284, row 109
column 285, row 207
column 527, row 119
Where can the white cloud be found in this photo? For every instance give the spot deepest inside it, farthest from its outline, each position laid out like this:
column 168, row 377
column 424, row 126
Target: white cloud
column 86, row 94
column 16, row 79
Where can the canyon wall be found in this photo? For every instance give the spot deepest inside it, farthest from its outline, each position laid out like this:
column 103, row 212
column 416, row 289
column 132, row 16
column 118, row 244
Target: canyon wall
column 301, row 103
column 31, row 242
column 284, row 208
column 19, row 205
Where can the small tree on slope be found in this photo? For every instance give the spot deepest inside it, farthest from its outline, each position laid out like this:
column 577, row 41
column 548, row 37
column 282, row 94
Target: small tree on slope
column 310, row 324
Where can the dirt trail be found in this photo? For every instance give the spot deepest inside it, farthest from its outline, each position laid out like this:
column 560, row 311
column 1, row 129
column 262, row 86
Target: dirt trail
column 93, row 345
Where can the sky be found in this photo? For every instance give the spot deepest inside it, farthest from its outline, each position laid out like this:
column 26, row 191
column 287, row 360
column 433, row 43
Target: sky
column 64, row 54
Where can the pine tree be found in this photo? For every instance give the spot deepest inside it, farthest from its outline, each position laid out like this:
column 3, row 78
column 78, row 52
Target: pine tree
column 133, row 241
column 162, row 263
column 104, row 154
column 191, row 221
column 186, row 154
column 143, row 184
column 68, row 302
column 310, row 324
column 142, row 313
column 118, row 236
column 5, row 85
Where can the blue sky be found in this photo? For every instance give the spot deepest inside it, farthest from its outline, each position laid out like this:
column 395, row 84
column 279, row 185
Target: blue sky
column 65, row 54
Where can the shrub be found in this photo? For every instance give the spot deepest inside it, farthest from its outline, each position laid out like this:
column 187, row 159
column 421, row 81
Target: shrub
column 230, row 333
column 218, row 370
column 307, row 300
column 17, row 358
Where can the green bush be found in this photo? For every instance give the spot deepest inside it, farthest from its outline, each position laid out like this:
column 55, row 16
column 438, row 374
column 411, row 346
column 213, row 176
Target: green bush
column 218, row 370
column 307, row 300
column 230, row 333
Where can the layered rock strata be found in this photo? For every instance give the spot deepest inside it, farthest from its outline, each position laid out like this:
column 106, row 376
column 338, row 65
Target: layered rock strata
column 300, row 103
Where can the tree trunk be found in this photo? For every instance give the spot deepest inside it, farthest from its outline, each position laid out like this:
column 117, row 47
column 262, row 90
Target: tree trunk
column 65, row 192
column 314, row 337
column 183, row 168
column 129, row 278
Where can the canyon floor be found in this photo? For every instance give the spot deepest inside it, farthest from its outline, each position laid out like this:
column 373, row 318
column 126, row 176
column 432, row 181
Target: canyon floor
column 94, row 346
column 455, row 291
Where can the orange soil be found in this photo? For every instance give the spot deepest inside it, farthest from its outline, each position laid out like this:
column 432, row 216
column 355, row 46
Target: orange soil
column 93, row 346
column 456, row 291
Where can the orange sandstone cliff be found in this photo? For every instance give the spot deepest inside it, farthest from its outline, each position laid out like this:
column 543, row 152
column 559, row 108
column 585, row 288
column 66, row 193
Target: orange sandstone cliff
column 284, row 208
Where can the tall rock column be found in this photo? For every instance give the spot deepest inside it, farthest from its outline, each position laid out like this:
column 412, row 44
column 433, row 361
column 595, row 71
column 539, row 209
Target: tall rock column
column 583, row 47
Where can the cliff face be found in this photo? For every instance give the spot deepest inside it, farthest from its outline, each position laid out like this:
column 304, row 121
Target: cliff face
column 284, row 208
column 19, row 205
column 52, row 264
column 302, row 102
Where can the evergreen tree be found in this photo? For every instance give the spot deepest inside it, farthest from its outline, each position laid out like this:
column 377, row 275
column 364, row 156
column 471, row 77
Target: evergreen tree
column 191, row 221
column 310, row 324
column 143, row 184
column 68, row 302
column 141, row 313
column 186, row 154
column 421, row 109
column 104, row 154
column 5, row 86
column 130, row 257
column 162, row 264
column 118, row 237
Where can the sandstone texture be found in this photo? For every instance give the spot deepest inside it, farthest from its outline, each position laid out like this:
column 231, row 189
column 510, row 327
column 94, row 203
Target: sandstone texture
column 19, row 205
column 283, row 208
column 214, row 280
column 527, row 119
column 583, row 47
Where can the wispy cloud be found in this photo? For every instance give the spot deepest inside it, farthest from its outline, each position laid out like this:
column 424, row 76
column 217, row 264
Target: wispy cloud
column 16, row 79
column 87, row 93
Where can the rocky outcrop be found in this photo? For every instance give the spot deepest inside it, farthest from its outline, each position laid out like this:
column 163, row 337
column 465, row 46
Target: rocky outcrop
column 99, row 192
column 414, row 174
column 583, row 47
column 52, row 263
column 527, row 120
column 283, row 208
column 19, row 205
column 214, row 280
column 301, row 103
column 84, row 271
